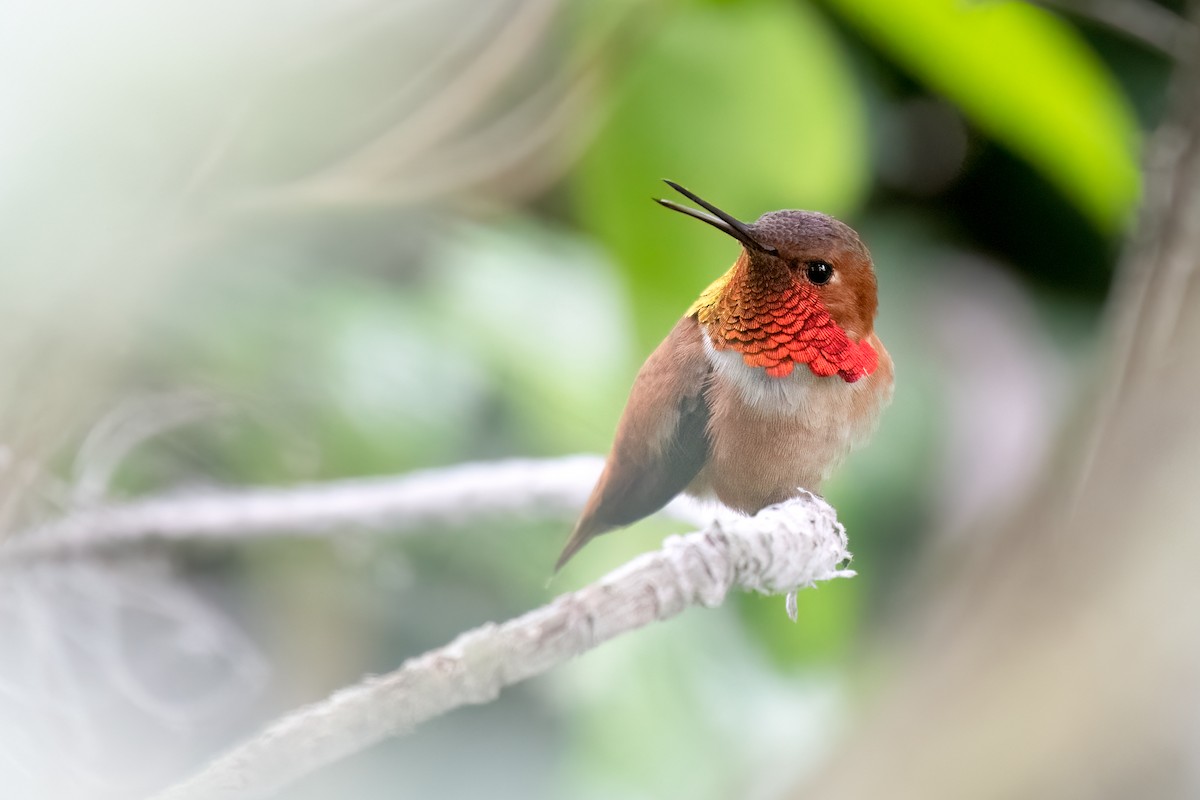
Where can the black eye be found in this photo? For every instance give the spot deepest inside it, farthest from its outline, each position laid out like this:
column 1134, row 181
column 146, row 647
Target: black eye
column 819, row 272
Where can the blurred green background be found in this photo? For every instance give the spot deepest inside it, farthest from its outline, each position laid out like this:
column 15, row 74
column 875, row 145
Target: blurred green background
column 269, row 243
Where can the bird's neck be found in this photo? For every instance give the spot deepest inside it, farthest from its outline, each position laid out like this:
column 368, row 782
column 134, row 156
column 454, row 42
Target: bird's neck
column 776, row 322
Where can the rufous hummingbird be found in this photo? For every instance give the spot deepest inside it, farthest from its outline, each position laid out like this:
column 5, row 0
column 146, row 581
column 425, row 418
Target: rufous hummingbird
column 763, row 387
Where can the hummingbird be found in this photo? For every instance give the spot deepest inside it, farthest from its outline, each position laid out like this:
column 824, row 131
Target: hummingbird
column 767, row 382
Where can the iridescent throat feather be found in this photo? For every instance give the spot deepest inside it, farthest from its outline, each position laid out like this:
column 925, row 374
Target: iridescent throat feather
column 776, row 321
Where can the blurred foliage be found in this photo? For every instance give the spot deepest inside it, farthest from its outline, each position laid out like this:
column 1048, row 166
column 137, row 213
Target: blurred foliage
column 1028, row 80
column 789, row 130
column 379, row 237
column 830, row 624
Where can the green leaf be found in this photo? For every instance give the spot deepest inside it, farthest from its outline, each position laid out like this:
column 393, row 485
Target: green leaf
column 750, row 105
column 1028, row 80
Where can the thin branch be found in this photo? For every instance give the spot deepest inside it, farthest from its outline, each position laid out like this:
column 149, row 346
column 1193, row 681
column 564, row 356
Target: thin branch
column 781, row 549
column 450, row 497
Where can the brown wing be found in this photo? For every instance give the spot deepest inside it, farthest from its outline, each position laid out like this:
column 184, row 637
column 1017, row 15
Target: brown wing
column 661, row 441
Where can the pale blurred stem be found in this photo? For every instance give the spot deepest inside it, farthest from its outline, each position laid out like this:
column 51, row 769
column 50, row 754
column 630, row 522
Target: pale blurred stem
column 439, row 498
column 1157, row 281
column 443, row 112
column 779, row 550
column 525, row 146
column 127, row 427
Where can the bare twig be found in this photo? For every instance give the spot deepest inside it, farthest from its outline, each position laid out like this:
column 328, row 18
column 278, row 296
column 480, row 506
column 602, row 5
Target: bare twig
column 417, row 501
column 781, row 549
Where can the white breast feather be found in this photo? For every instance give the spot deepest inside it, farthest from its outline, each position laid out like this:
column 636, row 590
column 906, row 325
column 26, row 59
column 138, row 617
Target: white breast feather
column 758, row 389
column 820, row 401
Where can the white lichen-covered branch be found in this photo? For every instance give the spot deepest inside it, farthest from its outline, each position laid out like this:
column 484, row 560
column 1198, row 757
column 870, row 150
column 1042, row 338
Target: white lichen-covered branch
column 438, row 498
column 783, row 548
column 780, row 550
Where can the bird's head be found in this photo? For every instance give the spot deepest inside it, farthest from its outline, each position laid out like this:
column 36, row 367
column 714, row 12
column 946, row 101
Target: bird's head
column 802, row 291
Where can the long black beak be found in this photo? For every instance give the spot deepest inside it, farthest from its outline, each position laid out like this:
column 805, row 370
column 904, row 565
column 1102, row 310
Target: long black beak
column 718, row 218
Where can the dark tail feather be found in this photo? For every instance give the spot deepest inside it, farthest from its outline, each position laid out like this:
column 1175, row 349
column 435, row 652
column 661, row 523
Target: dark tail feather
column 584, row 532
